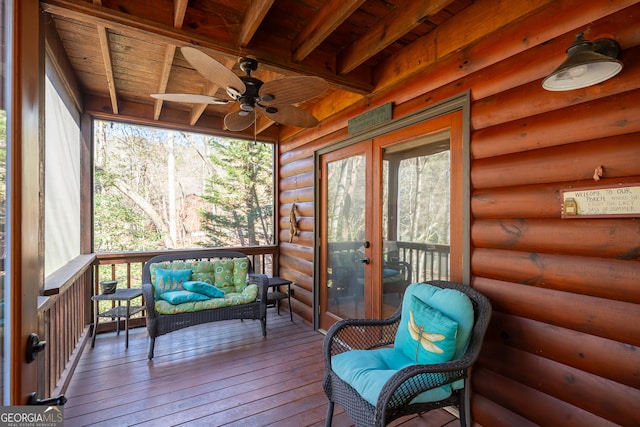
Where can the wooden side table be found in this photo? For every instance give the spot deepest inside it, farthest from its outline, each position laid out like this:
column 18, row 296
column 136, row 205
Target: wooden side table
column 275, row 296
column 126, row 311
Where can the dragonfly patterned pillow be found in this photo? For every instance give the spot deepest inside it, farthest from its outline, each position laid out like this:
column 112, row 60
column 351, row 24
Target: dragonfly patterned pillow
column 431, row 335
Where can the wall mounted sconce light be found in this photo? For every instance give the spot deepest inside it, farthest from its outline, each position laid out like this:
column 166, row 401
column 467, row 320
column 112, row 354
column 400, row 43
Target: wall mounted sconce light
column 587, row 63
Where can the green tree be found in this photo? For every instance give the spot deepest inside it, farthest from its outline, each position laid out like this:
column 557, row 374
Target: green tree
column 119, row 225
column 240, row 193
column 148, row 187
column 150, row 183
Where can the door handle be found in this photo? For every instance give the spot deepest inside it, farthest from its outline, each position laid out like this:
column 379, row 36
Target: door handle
column 364, row 260
column 34, row 346
column 52, row 401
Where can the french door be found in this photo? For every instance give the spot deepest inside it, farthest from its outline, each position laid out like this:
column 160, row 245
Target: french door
column 390, row 213
column 346, row 230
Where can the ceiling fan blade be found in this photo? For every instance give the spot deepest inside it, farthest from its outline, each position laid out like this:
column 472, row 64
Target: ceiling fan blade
column 291, row 116
column 212, row 70
column 291, row 90
column 239, row 120
column 190, row 98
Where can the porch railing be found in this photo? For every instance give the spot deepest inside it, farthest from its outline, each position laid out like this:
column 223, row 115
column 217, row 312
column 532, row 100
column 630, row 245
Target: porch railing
column 426, row 261
column 66, row 311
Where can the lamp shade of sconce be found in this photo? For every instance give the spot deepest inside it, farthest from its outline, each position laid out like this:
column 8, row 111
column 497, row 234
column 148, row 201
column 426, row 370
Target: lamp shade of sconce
column 587, row 63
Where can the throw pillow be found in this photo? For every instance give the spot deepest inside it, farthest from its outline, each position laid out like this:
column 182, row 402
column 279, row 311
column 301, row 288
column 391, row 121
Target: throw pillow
column 170, row 280
column 203, row 271
column 240, row 273
column 432, row 335
column 223, row 274
column 178, row 297
column 203, row 288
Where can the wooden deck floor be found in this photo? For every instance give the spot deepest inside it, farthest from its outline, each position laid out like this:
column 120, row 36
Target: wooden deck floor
column 224, row 373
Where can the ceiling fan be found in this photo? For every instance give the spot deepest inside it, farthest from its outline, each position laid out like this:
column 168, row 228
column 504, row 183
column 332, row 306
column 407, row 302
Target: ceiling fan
column 275, row 98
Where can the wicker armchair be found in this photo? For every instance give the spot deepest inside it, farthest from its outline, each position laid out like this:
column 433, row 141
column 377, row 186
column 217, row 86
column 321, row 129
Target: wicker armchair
column 404, row 390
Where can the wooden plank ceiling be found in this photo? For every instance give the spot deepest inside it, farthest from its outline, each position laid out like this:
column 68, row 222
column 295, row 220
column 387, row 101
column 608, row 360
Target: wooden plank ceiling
column 115, row 53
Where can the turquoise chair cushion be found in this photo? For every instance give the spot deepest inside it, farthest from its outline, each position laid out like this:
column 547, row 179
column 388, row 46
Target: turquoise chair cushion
column 389, row 272
column 367, row 371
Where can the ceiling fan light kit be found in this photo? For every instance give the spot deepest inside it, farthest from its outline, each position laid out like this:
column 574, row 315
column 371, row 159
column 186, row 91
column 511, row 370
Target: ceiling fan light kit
column 275, row 98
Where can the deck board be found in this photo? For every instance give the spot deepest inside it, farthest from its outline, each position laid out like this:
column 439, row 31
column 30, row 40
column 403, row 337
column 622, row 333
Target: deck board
column 224, row 373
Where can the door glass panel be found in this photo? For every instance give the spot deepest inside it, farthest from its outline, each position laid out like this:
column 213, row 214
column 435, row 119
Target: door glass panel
column 415, row 215
column 346, row 198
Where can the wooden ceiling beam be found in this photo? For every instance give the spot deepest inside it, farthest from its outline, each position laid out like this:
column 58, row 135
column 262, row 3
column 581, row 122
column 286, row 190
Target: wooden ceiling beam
column 142, row 114
column 324, row 22
column 253, row 18
column 447, row 39
column 155, row 32
column 179, row 11
column 391, row 28
column 103, row 36
column 263, row 123
column 198, row 109
column 167, row 63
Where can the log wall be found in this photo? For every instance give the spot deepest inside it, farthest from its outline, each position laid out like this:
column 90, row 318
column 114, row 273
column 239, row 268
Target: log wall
column 563, row 344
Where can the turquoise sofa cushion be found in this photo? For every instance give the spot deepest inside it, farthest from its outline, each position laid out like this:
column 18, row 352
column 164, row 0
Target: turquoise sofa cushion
column 170, row 280
column 367, row 371
column 248, row 294
column 432, row 335
column 203, row 288
column 179, row 297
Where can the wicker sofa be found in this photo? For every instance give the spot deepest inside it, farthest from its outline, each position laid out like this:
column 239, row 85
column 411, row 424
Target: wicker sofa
column 171, row 306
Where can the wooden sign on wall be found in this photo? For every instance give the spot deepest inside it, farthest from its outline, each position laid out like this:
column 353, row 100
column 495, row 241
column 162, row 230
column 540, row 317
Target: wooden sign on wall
column 601, row 202
column 371, row 118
